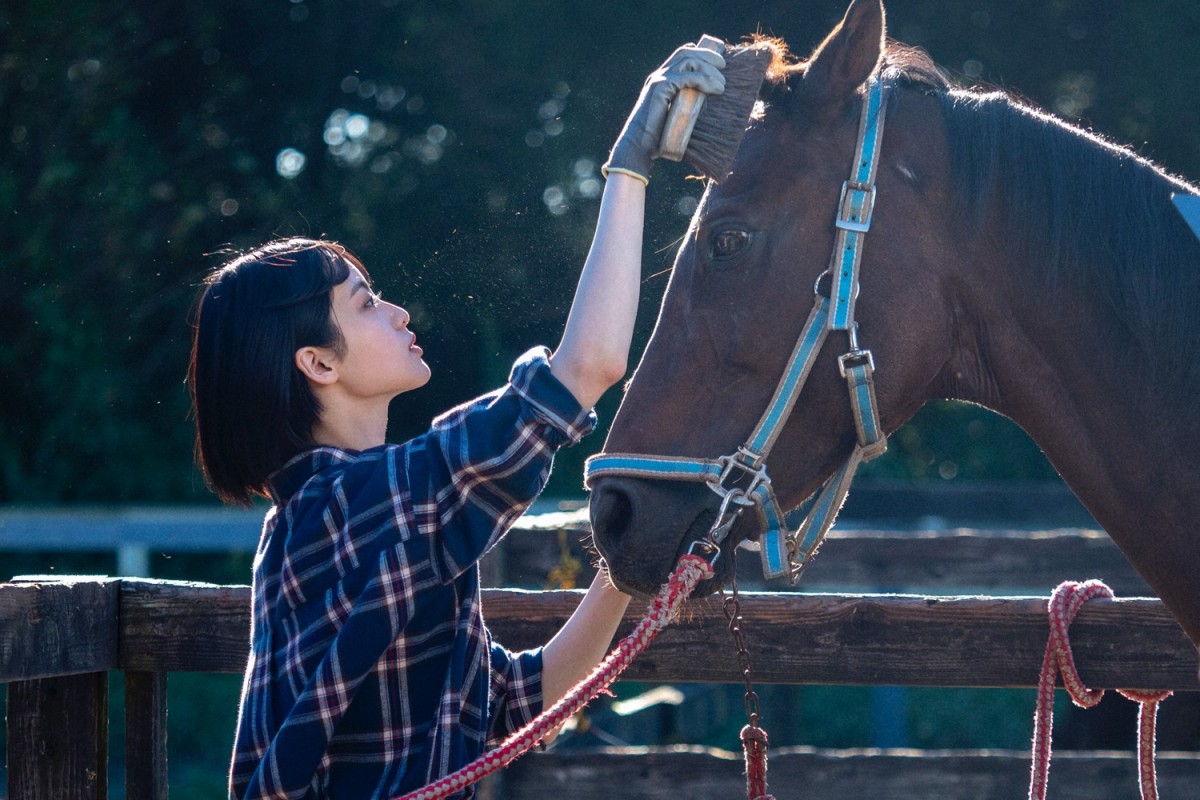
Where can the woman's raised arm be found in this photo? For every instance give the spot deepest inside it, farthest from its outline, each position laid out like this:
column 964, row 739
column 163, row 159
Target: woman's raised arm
column 594, row 351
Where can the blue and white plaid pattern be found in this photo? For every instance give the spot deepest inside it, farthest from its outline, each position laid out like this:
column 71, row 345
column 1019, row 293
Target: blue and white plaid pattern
column 371, row 672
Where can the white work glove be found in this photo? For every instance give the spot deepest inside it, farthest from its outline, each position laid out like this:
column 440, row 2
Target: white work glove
column 691, row 67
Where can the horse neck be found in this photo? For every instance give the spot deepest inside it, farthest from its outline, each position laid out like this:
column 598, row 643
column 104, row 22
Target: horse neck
column 1068, row 372
column 1055, row 371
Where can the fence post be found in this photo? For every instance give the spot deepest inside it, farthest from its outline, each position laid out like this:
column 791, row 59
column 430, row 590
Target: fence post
column 146, row 736
column 58, row 738
column 57, row 644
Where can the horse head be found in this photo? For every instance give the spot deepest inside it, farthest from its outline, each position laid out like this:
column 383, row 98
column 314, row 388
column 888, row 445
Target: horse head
column 742, row 287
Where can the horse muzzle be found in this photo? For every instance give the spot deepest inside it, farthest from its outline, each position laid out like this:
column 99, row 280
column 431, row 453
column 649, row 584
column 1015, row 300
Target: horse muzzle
column 641, row 528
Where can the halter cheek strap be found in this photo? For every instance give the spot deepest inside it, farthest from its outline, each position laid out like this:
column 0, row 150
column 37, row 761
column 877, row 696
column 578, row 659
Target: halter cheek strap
column 740, row 479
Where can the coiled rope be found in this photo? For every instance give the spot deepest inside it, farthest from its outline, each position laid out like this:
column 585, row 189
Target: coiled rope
column 688, row 573
column 1064, row 604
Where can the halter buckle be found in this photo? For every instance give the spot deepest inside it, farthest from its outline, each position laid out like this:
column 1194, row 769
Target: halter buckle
column 798, row 560
column 734, row 498
column 851, row 217
column 860, row 356
column 744, row 462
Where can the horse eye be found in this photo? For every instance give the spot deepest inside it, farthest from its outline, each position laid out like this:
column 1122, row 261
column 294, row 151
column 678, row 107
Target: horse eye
column 728, row 243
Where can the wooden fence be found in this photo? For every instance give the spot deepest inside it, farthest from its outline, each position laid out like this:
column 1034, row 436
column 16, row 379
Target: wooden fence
column 62, row 636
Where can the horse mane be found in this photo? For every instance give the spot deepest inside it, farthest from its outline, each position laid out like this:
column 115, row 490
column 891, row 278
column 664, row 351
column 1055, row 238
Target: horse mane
column 1081, row 212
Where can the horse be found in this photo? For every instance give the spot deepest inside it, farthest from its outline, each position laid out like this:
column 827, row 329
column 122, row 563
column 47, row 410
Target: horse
column 1002, row 257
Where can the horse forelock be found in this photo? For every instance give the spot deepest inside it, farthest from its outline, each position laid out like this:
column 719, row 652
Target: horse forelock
column 901, row 64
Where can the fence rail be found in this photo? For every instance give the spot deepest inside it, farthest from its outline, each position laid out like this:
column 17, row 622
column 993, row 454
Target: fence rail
column 61, row 637
column 834, row 639
column 66, row 627
column 706, row 774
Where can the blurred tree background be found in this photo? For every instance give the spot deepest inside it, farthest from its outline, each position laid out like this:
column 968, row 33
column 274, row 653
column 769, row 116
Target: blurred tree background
column 453, row 145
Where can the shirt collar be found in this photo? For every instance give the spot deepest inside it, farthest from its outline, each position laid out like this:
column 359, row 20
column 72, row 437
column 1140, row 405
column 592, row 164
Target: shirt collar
column 287, row 480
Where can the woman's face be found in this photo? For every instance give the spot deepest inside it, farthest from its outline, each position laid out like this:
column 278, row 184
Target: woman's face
column 381, row 357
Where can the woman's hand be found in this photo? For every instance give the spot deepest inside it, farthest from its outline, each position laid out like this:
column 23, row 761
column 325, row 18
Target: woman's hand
column 594, row 352
column 689, row 67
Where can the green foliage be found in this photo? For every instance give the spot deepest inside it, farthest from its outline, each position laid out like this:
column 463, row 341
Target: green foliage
column 143, row 137
column 200, row 730
column 950, row 440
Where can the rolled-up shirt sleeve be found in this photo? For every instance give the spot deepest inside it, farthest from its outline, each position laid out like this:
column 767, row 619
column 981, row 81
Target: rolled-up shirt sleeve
column 515, row 697
column 483, row 463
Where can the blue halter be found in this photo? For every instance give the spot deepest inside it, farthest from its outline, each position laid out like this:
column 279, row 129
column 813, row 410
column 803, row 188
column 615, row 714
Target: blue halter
column 740, row 479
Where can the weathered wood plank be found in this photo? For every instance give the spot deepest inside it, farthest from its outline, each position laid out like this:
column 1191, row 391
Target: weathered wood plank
column 653, row 773
column 887, row 640
column 54, row 627
column 58, row 738
column 146, row 736
column 176, row 626
column 831, row 639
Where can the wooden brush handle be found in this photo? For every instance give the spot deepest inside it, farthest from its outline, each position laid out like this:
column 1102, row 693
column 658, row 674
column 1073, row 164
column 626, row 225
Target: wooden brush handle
column 684, row 111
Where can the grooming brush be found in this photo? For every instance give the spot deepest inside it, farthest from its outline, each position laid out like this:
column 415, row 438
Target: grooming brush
column 706, row 131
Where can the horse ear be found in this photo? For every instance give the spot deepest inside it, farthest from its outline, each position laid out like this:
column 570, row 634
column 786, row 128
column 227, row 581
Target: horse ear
column 850, row 53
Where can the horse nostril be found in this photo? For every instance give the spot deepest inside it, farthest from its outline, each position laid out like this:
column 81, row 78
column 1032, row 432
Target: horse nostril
column 612, row 515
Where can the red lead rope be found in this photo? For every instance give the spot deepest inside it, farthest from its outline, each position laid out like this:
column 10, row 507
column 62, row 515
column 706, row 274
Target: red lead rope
column 689, row 572
column 1064, row 604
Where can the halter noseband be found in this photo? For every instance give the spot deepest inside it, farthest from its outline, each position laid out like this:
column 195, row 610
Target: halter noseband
column 740, row 479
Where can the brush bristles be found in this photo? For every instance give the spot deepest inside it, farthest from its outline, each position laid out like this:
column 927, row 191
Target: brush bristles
column 724, row 118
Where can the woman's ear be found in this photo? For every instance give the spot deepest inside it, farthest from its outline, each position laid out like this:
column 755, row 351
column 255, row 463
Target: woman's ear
column 317, row 364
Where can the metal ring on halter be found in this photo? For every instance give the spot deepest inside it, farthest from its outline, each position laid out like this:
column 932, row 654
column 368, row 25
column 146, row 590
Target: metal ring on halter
column 828, row 273
column 722, row 524
column 711, row 552
column 817, row 283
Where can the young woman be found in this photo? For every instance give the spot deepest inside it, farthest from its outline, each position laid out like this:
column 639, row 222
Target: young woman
column 371, row 672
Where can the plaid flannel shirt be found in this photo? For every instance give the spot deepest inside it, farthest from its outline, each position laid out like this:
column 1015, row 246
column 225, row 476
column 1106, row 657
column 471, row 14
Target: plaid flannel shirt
column 371, row 672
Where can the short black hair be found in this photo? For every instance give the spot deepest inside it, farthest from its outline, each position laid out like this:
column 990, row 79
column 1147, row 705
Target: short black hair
column 253, row 408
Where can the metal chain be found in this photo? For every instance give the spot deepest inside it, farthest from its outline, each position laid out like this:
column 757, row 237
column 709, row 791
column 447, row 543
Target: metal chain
column 733, row 613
